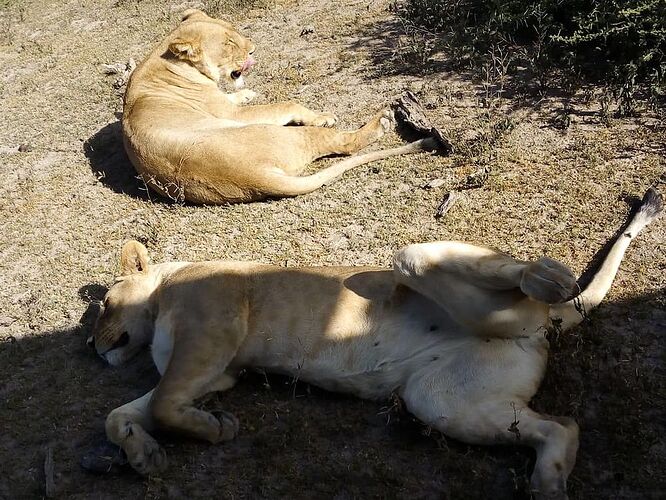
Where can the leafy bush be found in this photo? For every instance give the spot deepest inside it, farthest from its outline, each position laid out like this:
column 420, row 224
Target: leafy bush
column 621, row 43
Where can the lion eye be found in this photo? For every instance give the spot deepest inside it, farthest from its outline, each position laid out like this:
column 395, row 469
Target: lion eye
column 122, row 341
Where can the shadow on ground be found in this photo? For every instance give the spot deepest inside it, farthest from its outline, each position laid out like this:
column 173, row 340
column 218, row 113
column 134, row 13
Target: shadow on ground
column 109, row 162
column 393, row 52
column 295, row 438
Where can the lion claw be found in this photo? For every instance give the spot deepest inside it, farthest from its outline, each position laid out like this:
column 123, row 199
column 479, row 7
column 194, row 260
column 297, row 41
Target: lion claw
column 229, row 425
column 325, row 120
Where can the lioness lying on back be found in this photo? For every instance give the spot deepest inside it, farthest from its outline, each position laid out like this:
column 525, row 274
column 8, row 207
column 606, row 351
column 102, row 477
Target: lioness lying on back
column 458, row 331
column 189, row 140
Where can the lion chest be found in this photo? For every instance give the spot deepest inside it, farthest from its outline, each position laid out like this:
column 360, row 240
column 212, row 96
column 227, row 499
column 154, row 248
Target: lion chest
column 162, row 345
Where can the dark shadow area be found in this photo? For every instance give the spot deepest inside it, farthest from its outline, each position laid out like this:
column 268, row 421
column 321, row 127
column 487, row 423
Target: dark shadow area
column 426, row 54
column 381, row 40
column 111, row 166
column 609, row 374
column 299, row 441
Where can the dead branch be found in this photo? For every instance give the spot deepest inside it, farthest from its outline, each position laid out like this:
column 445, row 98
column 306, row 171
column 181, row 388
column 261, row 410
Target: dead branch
column 410, row 112
column 49, row 488
column 446, row 204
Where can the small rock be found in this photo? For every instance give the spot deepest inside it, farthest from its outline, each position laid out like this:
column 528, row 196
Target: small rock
column 475, row 179
column 25, row 148
column 434, row 183
column 113, row 69
column 103, row 457
column 6, row 320
column 307, row 30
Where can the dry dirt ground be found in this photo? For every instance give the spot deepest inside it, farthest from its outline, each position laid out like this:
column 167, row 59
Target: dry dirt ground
column 68, row 203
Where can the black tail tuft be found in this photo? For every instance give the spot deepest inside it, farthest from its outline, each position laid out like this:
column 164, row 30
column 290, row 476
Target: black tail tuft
column 652, row 204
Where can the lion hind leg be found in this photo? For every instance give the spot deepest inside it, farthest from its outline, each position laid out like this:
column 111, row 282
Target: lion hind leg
column 276, row 184
column 490, row 292
column 500, row 421
column 330, row 141
column 571, row 313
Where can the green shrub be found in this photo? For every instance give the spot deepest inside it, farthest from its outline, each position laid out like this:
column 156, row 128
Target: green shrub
column 620, row 43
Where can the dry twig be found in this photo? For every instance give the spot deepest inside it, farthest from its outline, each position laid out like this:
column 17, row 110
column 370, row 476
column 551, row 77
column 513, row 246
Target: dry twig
column 49, row 488
column 446, row 204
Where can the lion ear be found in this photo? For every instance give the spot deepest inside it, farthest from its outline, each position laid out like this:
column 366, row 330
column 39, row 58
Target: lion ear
column 133, row 258
column 189, row 50
column 193, row 14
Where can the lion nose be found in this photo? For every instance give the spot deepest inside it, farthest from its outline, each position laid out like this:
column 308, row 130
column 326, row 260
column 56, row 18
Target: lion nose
column 91, row 342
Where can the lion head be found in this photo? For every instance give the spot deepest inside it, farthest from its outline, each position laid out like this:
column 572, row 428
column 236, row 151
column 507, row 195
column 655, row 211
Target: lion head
column 125, row 323
column 213, row 47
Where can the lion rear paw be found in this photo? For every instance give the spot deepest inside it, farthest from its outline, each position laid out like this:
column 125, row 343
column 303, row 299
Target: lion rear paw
column 381, row 124
column 387, row 120
column 549, row 281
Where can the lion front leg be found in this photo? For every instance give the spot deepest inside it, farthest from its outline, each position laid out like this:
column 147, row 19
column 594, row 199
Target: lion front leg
column 283, row 113
column 197, row 366
column 173, row 409
column 128, row 426
column 241, row 97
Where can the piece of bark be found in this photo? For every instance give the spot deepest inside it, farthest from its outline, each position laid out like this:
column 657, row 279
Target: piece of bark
column 410, row 112
column 307, row 30
column 446, row 204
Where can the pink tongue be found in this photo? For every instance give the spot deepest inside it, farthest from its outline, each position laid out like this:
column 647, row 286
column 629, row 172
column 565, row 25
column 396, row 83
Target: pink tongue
column 249, row 62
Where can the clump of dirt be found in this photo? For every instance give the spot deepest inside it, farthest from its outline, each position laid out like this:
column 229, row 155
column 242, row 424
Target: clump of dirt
column 71, row 198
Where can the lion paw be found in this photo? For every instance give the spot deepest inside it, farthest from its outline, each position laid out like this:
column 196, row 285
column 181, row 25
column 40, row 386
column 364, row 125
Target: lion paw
column 146, row 456
column 549, row 281
column 229, row 425
column 324, row 120
column 386, row 120
column 243, row 96
column 380, row 124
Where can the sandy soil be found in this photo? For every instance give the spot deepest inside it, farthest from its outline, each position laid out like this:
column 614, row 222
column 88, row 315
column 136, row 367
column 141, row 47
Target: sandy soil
column 71, row 199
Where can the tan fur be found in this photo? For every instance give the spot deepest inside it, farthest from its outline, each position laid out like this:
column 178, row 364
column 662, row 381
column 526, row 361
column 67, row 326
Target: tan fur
column 191, row 141
column 458, row 331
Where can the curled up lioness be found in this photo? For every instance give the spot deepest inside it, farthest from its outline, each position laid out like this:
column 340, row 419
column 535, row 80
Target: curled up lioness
column 191, row 141
column 456, row 330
